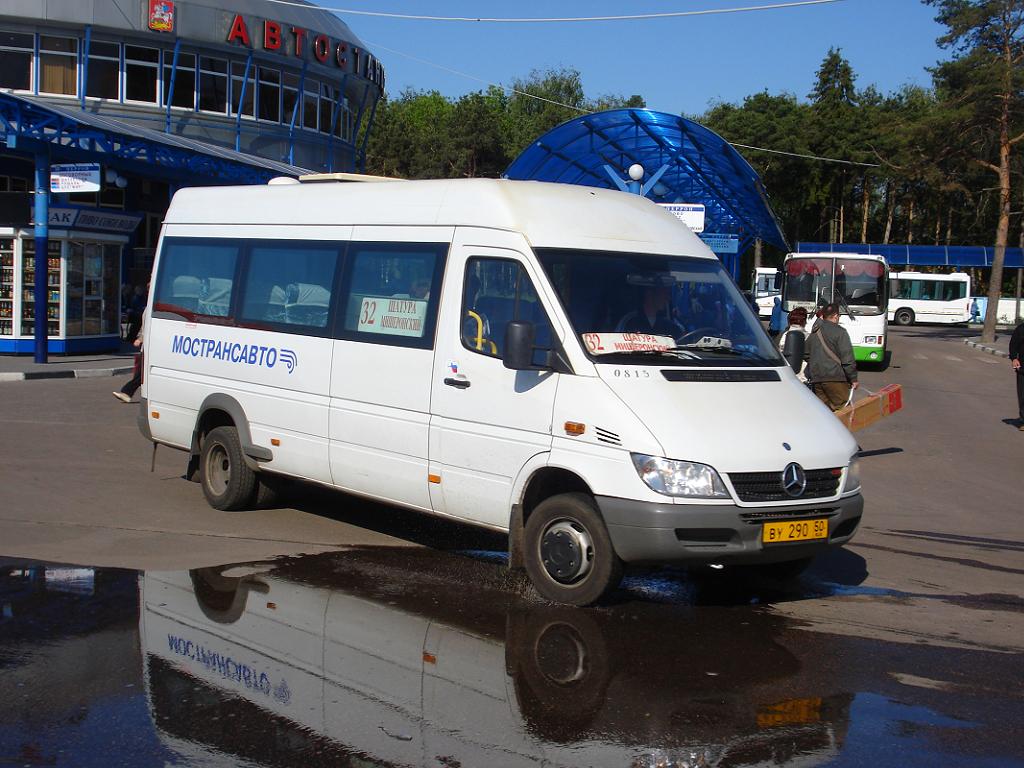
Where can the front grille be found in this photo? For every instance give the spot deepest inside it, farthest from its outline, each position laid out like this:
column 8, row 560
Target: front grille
column 770, row 515
column 767, row 486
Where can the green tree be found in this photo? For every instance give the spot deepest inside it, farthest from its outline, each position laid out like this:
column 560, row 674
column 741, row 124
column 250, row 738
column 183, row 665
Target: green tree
column 981, row 88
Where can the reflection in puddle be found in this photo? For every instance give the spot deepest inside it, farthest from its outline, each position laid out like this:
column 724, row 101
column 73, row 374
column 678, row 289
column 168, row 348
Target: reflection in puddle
column 417, row 658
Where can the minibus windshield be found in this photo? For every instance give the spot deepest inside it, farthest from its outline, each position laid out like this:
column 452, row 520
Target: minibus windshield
column 690, row 306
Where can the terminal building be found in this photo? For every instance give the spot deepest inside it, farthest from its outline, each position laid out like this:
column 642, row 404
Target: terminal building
column 108, row 106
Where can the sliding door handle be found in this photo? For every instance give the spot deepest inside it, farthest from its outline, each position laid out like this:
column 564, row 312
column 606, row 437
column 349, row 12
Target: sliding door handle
column 457, row 383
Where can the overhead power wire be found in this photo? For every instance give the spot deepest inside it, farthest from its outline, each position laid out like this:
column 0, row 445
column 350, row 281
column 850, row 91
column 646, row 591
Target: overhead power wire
column 527, row 94
column 568, row 19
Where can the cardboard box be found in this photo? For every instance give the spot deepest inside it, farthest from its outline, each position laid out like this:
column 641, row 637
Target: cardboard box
column 868, row 410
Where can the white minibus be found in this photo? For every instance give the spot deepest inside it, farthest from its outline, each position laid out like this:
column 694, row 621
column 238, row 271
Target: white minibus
column 918, row 297
column 563, row 363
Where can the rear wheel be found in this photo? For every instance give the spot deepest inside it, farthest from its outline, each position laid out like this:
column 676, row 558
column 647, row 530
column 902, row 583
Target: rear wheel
column 904, row 317
column 227, row 481
column 567, row 552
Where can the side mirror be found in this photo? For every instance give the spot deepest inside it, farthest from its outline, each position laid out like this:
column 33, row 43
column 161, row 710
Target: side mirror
column 518, row 354
column 793, row 350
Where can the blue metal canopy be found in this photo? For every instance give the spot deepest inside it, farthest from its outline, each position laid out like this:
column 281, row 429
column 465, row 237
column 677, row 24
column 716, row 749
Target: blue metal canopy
column 923, row 255
column 699, row 167
column 31, row 125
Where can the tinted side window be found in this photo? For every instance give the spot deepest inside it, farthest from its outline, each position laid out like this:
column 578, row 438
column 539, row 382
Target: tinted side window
column 289, row 284
column 196, row 278
column 495, row 292
column 392, row 293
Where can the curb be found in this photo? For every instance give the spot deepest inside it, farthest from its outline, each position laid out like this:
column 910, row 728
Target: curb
column 985, row 348
column 85, row 373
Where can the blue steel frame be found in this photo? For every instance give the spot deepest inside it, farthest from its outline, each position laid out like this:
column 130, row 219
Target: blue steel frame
column 693, row 165
column 28, row 127
column 978, row 256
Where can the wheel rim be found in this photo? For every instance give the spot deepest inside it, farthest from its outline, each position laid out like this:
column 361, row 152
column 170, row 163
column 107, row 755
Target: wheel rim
column 561, row 655
column 218, row 469
column 566, row 551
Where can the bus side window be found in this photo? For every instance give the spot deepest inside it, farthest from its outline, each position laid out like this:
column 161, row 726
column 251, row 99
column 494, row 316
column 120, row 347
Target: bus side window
column 392, row 292
column 196, row 278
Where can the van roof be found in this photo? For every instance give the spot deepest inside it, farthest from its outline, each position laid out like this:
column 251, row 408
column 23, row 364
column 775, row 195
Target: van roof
column 549, row 215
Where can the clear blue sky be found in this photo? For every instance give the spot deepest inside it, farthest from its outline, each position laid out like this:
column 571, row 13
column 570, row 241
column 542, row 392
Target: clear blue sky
column 678, row 65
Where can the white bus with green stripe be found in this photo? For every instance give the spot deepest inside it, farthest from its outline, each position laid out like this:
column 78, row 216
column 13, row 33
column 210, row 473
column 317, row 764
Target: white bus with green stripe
column 857, row 282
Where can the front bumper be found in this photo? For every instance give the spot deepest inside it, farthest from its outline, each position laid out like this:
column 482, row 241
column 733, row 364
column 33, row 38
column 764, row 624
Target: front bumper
column 647, row 532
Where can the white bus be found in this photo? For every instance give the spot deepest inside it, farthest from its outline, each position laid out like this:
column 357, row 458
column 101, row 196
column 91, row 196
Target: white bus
column 858, row 283
column 918, row 297
column 765, row 286
column 564, row 363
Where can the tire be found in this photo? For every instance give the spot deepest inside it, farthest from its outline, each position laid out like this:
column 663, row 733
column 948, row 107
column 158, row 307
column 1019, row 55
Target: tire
column 227, row 481
column 903, row 317
column 567, row 552
column 561, row 669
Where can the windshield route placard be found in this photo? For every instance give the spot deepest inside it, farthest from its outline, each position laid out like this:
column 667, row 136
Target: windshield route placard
column 612, row 343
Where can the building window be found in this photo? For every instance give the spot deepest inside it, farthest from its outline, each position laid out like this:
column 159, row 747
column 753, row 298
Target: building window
column 326, row 107
column 341, row 124
column 213, row 85
column 270, row 95
column 237, row 78
column 290, row 99
column 58, row 65
column 184, row 80
column 310, row 99
column 104, row 71
column 16, row 50
column 141, row 73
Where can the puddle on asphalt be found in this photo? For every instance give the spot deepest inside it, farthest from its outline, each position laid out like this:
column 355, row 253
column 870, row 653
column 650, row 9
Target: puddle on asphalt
column 404, row 657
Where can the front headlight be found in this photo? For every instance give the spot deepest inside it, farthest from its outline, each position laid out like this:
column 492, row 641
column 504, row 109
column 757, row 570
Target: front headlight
column 852, row 482
column 679, row 478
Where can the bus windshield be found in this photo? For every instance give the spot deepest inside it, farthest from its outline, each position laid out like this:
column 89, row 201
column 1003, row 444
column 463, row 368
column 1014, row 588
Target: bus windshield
column 691, row 304
column 858, row 286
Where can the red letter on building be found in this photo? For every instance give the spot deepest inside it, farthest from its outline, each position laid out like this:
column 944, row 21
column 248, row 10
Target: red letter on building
column 271, row 35
column 238, row 30
column 300, row 37
column 321, row 46
column 339, row 55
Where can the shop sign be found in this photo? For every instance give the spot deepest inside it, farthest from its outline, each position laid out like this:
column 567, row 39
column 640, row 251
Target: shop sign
column 286, row 39
column 721, row 242
column 75, row 177
column 691, row 214
column 95, row 219
column 161, row 15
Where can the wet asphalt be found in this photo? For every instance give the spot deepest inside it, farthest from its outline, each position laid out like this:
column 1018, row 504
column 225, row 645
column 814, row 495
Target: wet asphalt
column 337, row 632
column 396, row 657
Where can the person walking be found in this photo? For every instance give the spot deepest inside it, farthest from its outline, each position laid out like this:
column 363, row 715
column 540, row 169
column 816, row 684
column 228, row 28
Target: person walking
column 1016, row 353
column 831, row 367
column 797, row 324
column 778, row 318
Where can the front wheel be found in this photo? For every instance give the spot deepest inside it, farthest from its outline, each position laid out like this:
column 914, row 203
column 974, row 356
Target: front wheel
column 227, row 481
column 904, row 317
column 567, row 552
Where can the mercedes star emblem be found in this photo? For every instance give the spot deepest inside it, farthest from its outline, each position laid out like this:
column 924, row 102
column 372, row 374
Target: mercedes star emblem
column 794, row 480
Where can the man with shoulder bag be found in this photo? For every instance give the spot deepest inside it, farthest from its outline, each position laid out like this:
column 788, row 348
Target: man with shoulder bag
column 831, row 367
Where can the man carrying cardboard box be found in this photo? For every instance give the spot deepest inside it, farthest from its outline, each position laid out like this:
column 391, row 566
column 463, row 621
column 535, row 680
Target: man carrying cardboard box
column 831, row 367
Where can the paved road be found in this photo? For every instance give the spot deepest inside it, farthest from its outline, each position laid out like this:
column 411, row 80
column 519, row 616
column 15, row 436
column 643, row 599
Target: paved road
column 907, row 644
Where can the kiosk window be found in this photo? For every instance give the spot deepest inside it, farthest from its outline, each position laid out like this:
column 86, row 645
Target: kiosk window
column 393, row 292
column 290, row 284
column 196, row 278
column 496, row 292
